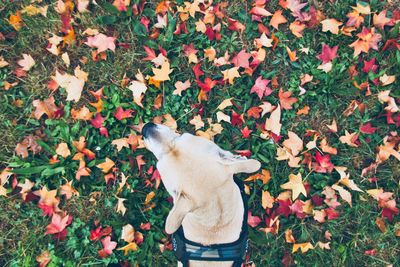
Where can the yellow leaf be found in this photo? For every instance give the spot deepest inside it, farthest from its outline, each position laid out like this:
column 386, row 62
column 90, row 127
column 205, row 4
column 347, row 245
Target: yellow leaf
column 163, row 73
column 231, row 74
column 331, row 25
column 344, row 194
column 149, row 197
column 296, row 185
column 130, row 247
column 226, row 103
column 106, row 166
column 303, row 246
column 273, row 122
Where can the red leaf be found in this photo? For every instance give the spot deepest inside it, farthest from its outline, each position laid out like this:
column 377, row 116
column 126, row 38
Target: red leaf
column 297, row 209
column 285, row 99
column 246, row 132
column 46, row 209
column 323, row 163
column 207, row 85
column 97, row 122
column 210, row 33
column 253, row 221
column 150, row 53
column 120, row 114
column 368, row 128
column 332, row 213
column 369, row 66
column 328, row 53
column 236, row 119
column 284, row 207
column 197, row 71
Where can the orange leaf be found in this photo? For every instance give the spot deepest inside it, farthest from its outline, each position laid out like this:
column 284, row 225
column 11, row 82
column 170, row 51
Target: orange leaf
column 296, row 185
column 285, row 100
column 277, row 18
column 106, row 166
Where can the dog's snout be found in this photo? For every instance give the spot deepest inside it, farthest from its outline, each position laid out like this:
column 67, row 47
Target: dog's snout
column 148, row 128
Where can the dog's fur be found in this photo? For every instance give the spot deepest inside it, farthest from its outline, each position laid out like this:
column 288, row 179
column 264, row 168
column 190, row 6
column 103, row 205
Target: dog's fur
column 199, row 176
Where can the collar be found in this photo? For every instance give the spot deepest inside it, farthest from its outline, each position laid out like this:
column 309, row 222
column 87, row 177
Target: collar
column 236, row 251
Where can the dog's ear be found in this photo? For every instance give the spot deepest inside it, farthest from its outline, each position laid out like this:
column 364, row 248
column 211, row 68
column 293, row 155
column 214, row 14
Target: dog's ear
column 182, row 205
column 237, row 163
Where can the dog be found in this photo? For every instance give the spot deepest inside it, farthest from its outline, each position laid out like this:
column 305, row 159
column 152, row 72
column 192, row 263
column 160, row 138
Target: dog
column 207, row 203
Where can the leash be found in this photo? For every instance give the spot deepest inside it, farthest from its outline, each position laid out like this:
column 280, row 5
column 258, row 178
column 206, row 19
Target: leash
column 236, row 251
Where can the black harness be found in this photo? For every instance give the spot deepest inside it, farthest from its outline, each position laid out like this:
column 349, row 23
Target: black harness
column 236, row 251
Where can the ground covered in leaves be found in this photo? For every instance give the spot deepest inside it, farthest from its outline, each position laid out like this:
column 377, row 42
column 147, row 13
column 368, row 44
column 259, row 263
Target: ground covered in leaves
column 308, row 88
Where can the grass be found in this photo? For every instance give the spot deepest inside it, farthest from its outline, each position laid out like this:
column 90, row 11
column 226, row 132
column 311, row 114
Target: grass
column 354, row 232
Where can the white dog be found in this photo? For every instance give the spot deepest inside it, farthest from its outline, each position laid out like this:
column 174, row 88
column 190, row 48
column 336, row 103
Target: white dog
column 208, row 219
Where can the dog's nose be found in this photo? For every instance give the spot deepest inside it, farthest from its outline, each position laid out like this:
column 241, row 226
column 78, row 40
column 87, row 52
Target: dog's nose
column 147, row 129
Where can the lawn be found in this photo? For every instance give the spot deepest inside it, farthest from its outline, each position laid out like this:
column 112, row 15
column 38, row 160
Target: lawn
column 309, row 88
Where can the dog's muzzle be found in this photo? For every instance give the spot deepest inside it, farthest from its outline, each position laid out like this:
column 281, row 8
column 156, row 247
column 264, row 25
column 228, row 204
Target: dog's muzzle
column 148, row 129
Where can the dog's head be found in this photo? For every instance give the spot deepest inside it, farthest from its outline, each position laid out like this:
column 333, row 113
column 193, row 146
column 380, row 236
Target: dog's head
column 191, row 168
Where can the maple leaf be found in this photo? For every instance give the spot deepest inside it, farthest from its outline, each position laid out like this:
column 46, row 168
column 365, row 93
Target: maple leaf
column 62, row 150
column 106, row 166
column 231, row 74
column 162, row 74
column 297, row 28
column 349, row 139
column 108, row 247
column 180, row 87
column 273, row 122
column 82, row 170
column 253, row 221
column 57, row 224
column 294, row 143
column 226, row 103
column 260, row 87
column 370, row 66
column 277, row 18
column 263, row 41
column 328, row 53
column 296, row 185
column 304, row 247
column 101, row 42
column 367, row 39
column 120, row 143
column 132, row 246
column 291, row 54
column 354, row 19
column 44, row 258
column 368, row 128
column 27, row 62
column 47, row 106
column 242, row 59
column 285, row 100
column 120, row 205
column 128, row 233
column 15, row 20
column 138, row 88
column 67, row 190
column 331, row 25
column 344, row 194
column 82, row 114
column 72, row 84
column 380, row 20
column 121, row 114
column 197, row 122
